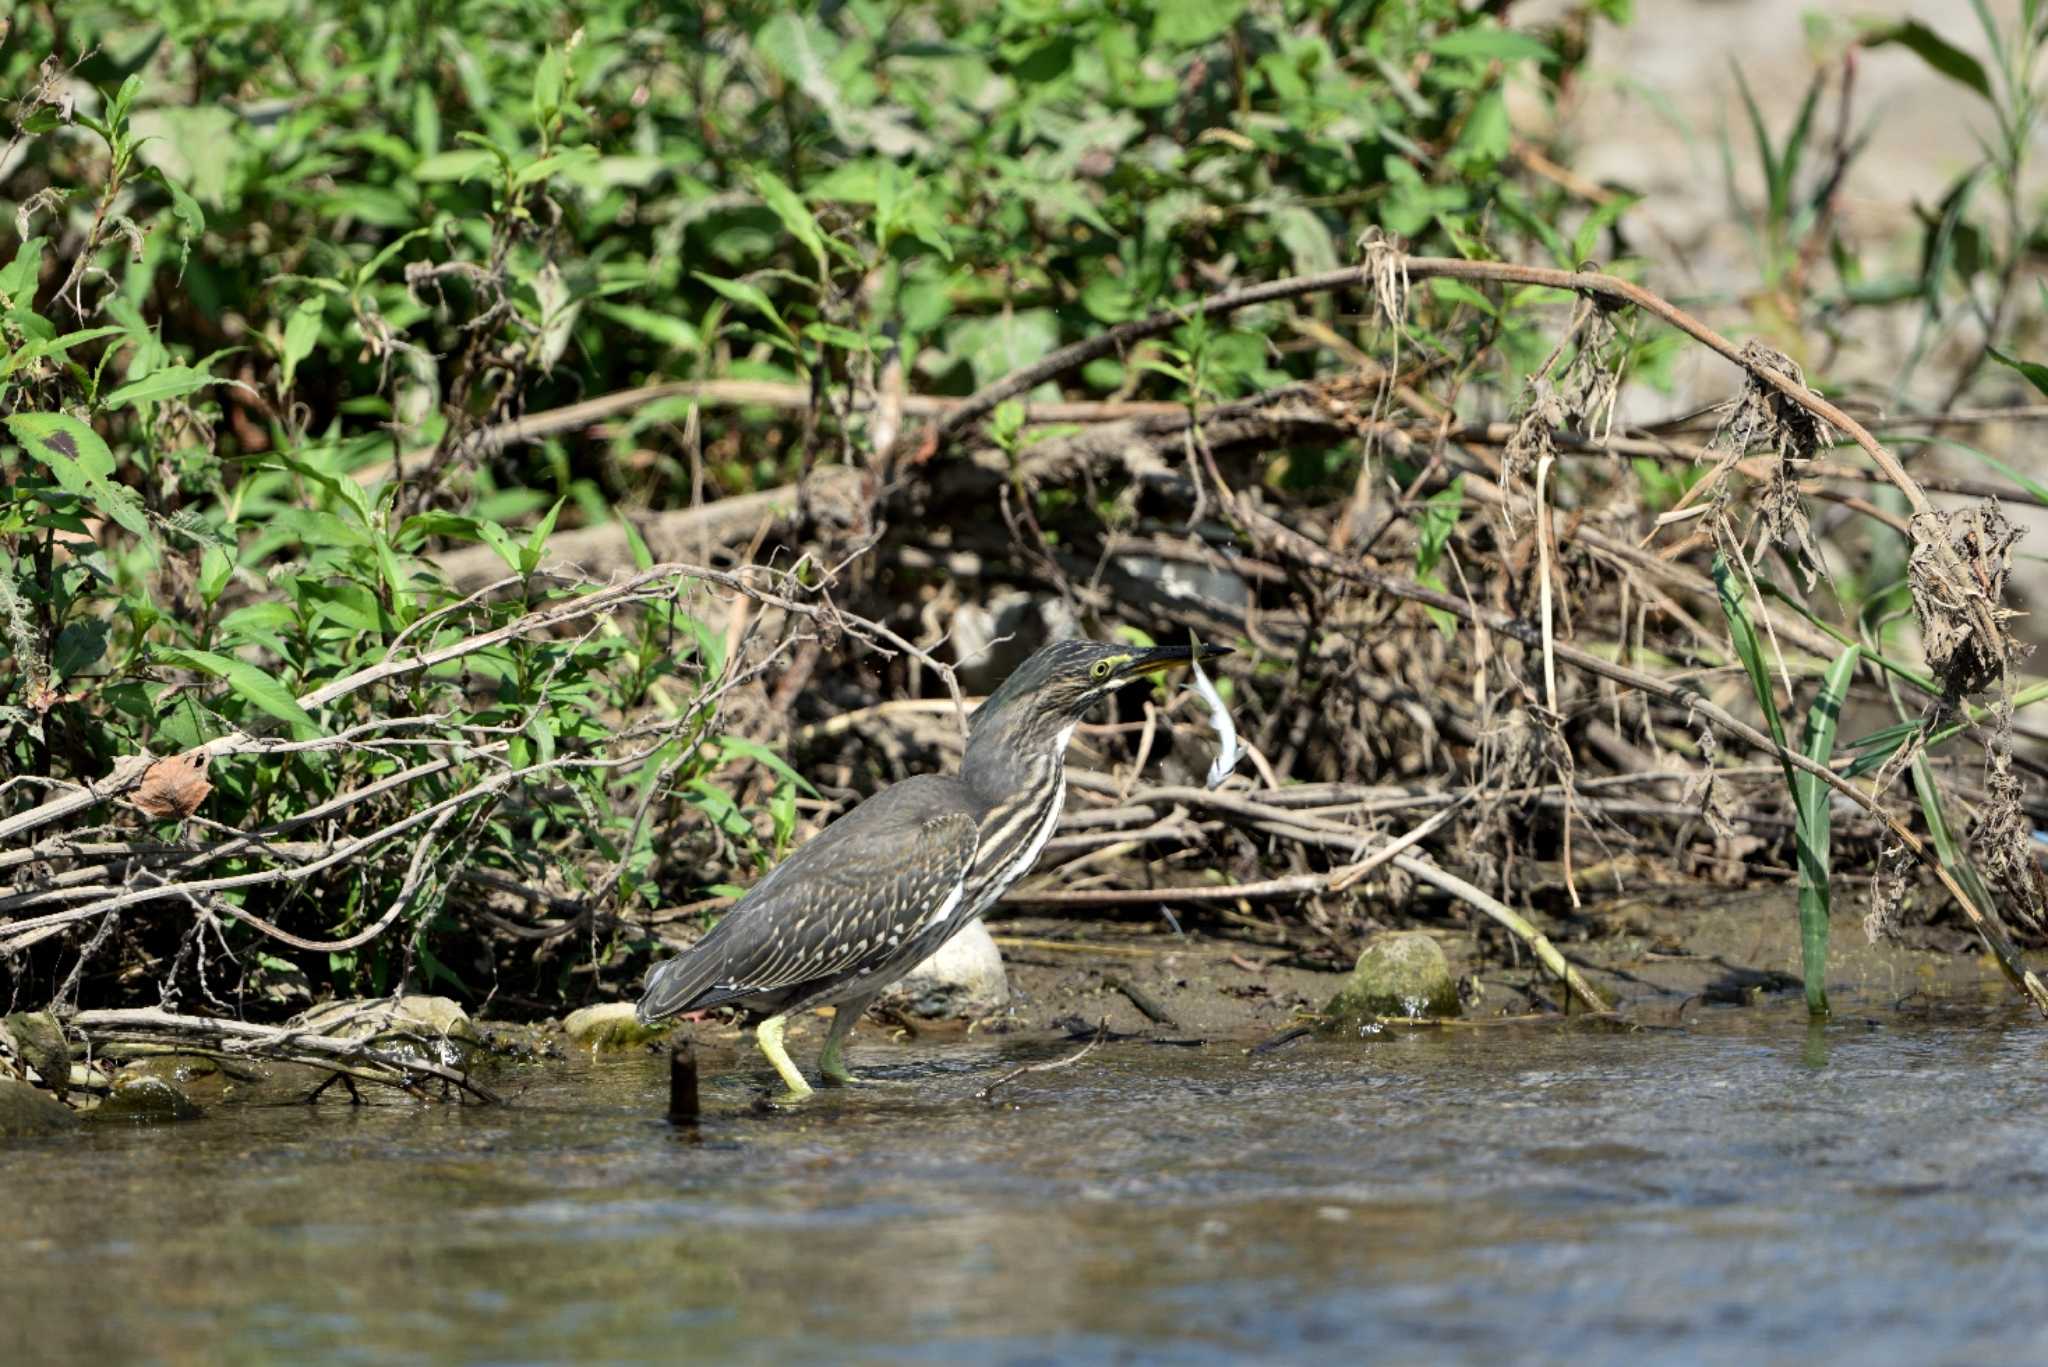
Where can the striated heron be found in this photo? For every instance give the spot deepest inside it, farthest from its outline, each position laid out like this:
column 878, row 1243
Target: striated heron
column 884, row 886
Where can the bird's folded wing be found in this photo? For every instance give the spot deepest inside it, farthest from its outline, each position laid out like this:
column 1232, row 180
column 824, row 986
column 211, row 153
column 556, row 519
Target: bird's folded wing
column 864, row 887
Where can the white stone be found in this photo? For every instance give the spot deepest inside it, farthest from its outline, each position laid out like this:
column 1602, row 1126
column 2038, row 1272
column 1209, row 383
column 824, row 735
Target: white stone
column 964, row 978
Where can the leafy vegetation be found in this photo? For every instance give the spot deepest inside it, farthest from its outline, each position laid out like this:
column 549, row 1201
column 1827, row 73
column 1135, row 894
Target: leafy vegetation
column 297, row 291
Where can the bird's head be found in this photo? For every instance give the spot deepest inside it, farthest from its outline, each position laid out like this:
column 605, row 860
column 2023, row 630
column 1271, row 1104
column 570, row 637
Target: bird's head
column 1058, row 685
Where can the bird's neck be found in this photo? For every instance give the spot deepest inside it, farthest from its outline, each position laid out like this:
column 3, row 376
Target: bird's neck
column 1002, row 764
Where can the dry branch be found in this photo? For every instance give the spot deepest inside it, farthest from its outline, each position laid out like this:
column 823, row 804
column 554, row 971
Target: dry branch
column 359, row 1059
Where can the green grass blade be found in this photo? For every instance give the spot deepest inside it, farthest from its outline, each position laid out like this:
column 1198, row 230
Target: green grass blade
column 1814, row 812
column 1795, row 142
column 2020, row 478
column 1750, row 650
column 1881, row 745
column 1946, row 847
column 1812, row 815
column 1774, row 185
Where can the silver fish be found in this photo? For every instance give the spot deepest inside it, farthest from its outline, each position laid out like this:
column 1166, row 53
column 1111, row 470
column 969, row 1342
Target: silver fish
column 1228, row 751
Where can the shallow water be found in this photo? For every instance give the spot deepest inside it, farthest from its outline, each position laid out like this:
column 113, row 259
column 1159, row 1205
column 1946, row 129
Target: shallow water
column 1742, row 1190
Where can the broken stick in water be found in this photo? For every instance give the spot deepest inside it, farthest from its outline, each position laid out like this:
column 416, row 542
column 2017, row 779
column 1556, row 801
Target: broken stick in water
column 682, row 1084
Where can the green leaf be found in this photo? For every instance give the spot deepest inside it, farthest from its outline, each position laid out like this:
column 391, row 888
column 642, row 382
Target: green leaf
column 257, row 687
column 1439, row 519
column 1188, row 23
column 782, row 811
column 259, row 621
column 1487, row 136
column 1492, row 44
column 1935, row 50
column 216, row 567
column 403, row 603
column 671, row 332
column 191, row 218
column 537, row 540
column 79, row 647
column 1599, row 221
column 499, row 540
column 550, row 84
column 1458, row 292
column 747, row 296
column 793, row 213
column 730, row 747
column 717, row 804
column 643, row 558
column 383, row 258
column 710, row 642
column 18, row 279
column 552, row 165
column 57, row 346
column 460, row 163
column 301, row 334
column 2036, row 373
column 169, row 383
column 82, row 464
column 1306, row 237
column 124, row 99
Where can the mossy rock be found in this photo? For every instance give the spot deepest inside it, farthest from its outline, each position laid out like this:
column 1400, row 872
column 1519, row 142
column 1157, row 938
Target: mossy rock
column 200, row 1079
column 609, row 1026
column 144, row 1098
column 1400, row 973
column 42, row 1046
column 432, row 1029
column 26, row 1112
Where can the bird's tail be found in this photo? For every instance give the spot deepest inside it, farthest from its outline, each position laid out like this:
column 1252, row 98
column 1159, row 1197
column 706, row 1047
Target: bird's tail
column 673, row 987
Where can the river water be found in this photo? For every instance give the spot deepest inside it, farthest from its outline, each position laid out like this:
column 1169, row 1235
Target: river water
column 1744, row 1189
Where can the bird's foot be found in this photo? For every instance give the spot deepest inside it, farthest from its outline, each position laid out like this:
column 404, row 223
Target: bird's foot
column 790, row 1099
column 769, row 1037
column 832, row 1069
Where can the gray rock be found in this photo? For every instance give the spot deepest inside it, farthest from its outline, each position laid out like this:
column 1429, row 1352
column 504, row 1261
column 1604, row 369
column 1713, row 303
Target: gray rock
column 26, row 1112
column 40, row 1043
column 964, row 978
column 611, row 1025
column 1399, row 973
column 144, row 1098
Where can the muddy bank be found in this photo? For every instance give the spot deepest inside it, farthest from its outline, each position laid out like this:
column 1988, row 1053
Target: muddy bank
column 1661, row 962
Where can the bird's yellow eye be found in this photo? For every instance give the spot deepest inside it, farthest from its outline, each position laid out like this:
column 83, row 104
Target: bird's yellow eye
column 1099, row 670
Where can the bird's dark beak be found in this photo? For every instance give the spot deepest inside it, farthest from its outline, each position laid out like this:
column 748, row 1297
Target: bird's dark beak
column 1165, row 657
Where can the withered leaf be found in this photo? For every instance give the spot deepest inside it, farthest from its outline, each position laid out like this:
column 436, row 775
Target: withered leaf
column 173, row 788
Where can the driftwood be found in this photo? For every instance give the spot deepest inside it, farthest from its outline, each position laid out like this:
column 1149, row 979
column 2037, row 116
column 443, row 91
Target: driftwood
column 411, row 1069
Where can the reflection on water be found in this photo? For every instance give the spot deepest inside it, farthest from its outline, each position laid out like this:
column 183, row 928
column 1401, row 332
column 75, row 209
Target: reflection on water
column 1745, row 1189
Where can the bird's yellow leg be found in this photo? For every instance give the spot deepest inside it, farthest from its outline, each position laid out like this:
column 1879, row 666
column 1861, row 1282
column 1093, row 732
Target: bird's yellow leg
column 832, row 1069
column 769, row 1036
